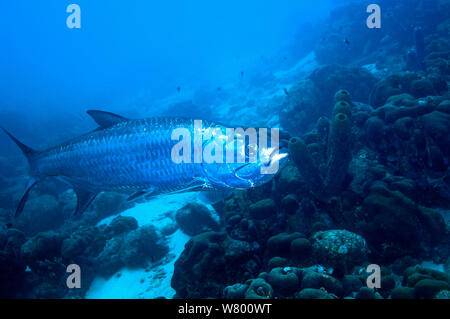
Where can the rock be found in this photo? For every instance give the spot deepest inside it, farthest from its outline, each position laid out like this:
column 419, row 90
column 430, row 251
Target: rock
column 444, row 107
column 283, row 280
column 300, row 248
column 134, row 249
column 169, row 228
column 277, row 262
column 263, row 209
column 141, row 245
column 390, row 211
column 401, row 264
column 351, row 283
column 387, row 284
column 401, row 100
column 15, row 240
column 290, row 203
column 428, row 288
column 311, row 293
column 41, row 213
column 314, row 97
column 443, row 294
column 339, row 249
column 236, row 291
column 85, row 242
column 280, row 244
column 203, row 268
column 12, row 276
column 258, row 289
column 366, row 293
column 121, row 224
column 312, row 279
column 194, row 219
column 375, row 129
column 402, row 293
column 289, row 180
column 42, row 246
column 436, row 124
column 422, row 88
column 390, row 86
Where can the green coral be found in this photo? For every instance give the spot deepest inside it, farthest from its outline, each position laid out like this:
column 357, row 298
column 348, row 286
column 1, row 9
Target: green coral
column 324, row 174
column 342, row 107
column 284, row 280
column 339, row 248
column 258, row 289
column 311, row 293
column 340, row 154
column 343, row 95
column 305, row 164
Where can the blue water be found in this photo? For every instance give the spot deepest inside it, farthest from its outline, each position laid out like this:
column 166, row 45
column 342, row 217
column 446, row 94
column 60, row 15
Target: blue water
column 149, row 48
column 368, row 179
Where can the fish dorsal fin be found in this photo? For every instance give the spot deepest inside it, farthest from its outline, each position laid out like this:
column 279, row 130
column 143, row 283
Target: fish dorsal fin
column 84, row 199
column 105, row 119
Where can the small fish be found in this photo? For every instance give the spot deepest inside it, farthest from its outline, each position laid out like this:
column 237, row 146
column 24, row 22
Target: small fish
column 178, row 89
column 242, row 74
column 219, row 89
column 346, row 41
column 286, row 91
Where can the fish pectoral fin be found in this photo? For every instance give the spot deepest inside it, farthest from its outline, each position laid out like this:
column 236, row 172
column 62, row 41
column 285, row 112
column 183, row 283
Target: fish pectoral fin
column 142, row 193
column 105, row 119
column 214, row 195
column 84, row 199
column 136, row 195
column 24, row 198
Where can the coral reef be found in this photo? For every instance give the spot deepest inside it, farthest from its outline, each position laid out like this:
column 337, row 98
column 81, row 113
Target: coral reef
column 314, row 96
column 368, row 183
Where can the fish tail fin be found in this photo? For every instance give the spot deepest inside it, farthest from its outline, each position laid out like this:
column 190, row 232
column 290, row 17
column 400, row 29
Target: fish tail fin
column 30, row 155
column 27, row 151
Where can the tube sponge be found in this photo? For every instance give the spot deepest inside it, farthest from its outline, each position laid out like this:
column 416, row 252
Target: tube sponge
column 305, row 164
column 342, row 107
column 342, row 95
column 339, row 148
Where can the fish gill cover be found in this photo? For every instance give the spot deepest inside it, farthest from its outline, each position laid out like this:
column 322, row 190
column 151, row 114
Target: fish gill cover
column 225, row 149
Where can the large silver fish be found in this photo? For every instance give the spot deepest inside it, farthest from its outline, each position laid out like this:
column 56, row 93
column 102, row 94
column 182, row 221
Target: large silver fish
column 135, row 157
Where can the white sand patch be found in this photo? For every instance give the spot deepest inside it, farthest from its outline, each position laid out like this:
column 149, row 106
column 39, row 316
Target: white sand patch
column 154, row 280
column 156, row 210
column 143, row 283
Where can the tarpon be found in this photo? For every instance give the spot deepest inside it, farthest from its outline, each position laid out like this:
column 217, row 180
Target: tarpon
column 134, row 156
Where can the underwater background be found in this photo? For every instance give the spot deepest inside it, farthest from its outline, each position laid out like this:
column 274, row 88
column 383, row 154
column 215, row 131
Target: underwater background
column 368, row 179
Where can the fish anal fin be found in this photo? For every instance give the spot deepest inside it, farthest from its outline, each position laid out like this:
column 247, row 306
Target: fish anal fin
column 136, row 195
column 213, row 196
column 105, row 119
column 24, row 198
column 84, row 199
